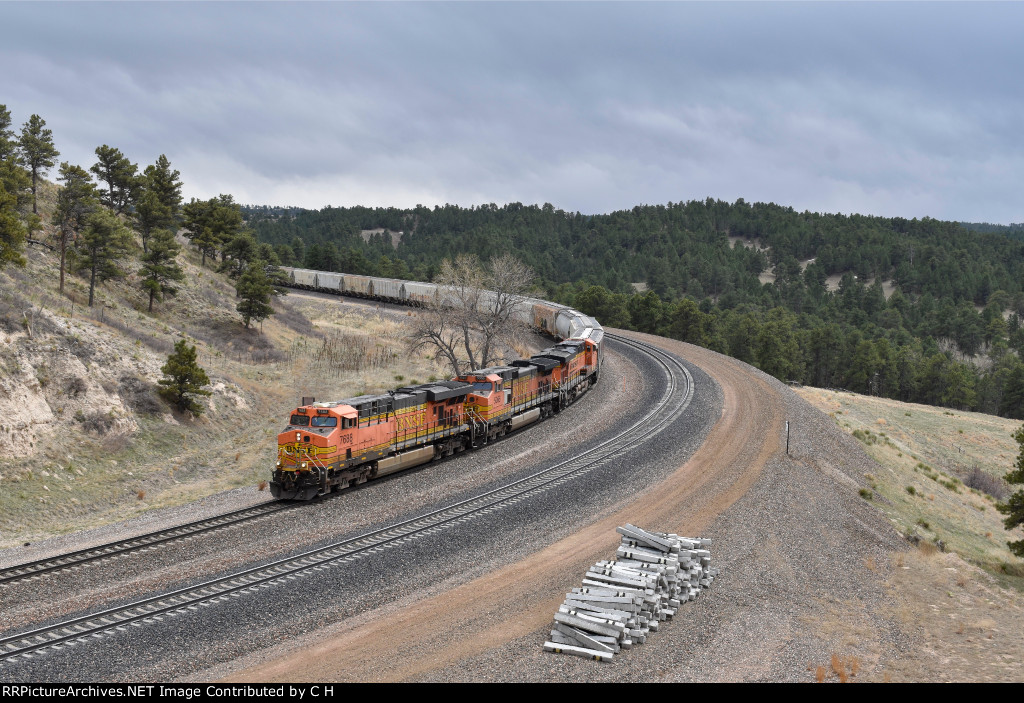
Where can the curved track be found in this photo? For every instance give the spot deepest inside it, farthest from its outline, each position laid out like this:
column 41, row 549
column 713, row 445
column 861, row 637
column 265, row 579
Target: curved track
column 677, row 391
column 475, row 629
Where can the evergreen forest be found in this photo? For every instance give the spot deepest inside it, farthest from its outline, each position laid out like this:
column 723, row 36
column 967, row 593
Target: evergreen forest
column 922, row 310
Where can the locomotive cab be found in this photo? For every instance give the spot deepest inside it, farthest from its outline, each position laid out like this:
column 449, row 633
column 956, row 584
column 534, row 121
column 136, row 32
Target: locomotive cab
column 491, row 396
column 308, row 445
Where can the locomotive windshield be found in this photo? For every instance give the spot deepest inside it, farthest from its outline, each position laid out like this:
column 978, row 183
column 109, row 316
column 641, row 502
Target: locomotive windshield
column 322, row 421
column 483, row 388
column 301, row 420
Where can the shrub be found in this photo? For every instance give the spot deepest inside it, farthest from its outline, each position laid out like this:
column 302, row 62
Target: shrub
column 74, row 387
column 138, row 394
column 911, row 490
column 865, row 436
column 183, row 379
column 866, row 494
column 987, row 483
column 99, row 422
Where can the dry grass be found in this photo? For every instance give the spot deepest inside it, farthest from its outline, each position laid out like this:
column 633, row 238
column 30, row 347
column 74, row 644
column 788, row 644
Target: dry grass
column 262, row 486
column 839, row 668
column 939, row 473
column 258, row 376
column 964, row 625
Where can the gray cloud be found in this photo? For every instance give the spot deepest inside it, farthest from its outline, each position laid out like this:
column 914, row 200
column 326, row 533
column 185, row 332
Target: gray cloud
column 894, row 109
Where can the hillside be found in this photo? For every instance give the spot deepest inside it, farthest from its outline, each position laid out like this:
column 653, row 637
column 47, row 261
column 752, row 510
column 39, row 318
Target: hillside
column 85, row 439
column 939, row 473
column 914, row 310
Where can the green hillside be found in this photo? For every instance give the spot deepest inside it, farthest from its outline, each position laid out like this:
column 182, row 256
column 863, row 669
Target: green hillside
column 915, row 310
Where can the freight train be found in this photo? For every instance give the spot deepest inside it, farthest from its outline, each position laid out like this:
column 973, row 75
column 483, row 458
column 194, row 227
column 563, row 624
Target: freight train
column 328, row 446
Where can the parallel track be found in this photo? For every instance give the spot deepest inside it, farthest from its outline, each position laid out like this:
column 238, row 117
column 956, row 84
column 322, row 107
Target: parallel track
column 676, row 395
column 71, row 560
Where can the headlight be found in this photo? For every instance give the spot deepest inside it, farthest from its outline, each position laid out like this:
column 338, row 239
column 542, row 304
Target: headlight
column 303, row 464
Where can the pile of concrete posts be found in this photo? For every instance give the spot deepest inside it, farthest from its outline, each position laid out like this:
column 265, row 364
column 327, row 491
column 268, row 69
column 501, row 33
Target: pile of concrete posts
column 623, row 600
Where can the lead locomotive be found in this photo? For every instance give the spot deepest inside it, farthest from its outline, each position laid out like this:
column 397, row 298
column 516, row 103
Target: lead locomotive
column 330, row 446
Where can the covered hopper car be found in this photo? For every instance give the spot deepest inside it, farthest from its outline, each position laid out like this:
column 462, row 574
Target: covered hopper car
column 328, row 446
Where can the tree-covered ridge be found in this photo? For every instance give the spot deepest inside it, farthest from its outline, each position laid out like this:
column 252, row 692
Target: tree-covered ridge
column 1013, row 230
column 949, row 333
column 676, row 249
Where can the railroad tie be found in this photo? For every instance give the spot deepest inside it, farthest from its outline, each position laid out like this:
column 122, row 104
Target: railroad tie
column 624, row 599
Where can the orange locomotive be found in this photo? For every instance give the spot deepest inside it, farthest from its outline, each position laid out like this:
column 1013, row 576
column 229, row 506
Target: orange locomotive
column 330, row 446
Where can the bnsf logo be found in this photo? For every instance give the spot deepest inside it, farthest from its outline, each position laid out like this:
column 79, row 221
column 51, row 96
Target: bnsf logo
column 408, row 422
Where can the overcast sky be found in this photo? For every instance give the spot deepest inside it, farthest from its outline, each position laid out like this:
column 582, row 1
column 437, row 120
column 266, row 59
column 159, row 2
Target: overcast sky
column 879, row 108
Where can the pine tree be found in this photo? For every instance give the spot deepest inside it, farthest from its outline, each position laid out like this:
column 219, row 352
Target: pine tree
column 1012, row 404
column 160, row 267
column 150, row 214
column 255, row 287
column 14, row 179
column 157, row 200
column 76, row 200
column 37, row 150
column 114, row 169
column 238, row 253
column 12, row 232
column 183, row 379
column 1014, row 507
column 102, row 244
column 8, row 144
column 212, row 223
column 166, row 184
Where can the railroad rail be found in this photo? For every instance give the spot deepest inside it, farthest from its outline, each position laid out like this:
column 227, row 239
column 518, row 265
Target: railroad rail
column 71, row 560
column 677, row 391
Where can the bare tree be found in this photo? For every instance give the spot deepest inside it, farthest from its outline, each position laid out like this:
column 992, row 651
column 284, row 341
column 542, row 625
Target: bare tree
column 471, row 322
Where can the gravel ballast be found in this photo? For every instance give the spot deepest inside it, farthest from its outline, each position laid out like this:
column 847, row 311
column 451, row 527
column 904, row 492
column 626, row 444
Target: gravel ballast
column 232, row 629
column 799, row 553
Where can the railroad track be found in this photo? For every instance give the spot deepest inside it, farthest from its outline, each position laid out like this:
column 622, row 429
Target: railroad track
column 150, row 540
column 677, row 392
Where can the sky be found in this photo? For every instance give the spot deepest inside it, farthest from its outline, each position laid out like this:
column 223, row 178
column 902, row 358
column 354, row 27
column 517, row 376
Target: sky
column 894, row 109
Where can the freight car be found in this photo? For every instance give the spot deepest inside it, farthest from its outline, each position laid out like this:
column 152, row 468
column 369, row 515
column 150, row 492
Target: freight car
column 329, row 446
column 557, row 320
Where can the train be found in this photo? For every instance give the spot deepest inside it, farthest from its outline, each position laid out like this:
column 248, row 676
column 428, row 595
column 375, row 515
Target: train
column 329, row 446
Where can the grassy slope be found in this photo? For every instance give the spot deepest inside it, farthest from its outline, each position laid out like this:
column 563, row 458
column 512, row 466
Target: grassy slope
column 81, row 474
column 932, row 451
column 962, row 610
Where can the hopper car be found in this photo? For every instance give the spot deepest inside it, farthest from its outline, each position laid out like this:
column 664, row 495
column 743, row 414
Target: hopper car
column 328, row 446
